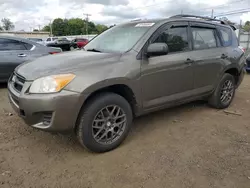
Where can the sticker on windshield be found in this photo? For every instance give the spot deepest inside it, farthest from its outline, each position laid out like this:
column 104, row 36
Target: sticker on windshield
column 144, row 24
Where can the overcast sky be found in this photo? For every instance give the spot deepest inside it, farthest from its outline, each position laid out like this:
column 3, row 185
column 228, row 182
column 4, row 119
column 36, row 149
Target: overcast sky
column 27, row 14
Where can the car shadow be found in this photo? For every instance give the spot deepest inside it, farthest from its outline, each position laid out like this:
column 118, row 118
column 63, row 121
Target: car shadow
column 150, row 121
column 3, row 85
column 141, row 126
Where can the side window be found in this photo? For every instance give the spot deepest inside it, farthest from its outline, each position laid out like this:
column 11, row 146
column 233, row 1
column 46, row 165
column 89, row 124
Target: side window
column 7, row 45
column 28, row 46
column 226, row 36
column 203, row 38
column 49, row 39
column 176, row 39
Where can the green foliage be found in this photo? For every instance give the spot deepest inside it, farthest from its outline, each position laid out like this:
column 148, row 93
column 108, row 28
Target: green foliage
column 7, row 24
column 59, row 27
column 74, row 26
column 246, row 27
column 1, row 28
column 100, row 28
column 46, row 28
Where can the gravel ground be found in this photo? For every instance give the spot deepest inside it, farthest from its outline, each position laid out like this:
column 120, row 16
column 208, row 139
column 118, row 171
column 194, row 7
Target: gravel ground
column 188, row 146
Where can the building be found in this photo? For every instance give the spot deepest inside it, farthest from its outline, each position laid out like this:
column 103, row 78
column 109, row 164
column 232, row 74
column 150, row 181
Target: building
column 25, row 34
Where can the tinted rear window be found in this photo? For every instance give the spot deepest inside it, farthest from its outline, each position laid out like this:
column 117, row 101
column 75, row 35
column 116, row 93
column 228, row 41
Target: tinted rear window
column 8, row 44
column 226, row 36
column 203, row 38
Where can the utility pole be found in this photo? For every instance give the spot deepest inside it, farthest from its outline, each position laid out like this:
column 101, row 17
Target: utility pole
column 51, row 32
column 39, row 27
column 212, row 14
column 87, row 20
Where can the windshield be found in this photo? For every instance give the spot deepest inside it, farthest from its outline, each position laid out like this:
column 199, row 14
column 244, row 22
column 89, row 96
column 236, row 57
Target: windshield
column 118, row 38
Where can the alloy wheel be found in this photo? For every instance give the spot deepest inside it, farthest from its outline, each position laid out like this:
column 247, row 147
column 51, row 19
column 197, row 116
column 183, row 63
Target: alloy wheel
column 227, row 91
column 109, row 124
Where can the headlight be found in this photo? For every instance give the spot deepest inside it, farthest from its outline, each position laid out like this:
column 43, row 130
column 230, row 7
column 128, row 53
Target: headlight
column 51, row 84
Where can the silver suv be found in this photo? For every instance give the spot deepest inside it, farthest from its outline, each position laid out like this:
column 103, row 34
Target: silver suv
column 127, row 71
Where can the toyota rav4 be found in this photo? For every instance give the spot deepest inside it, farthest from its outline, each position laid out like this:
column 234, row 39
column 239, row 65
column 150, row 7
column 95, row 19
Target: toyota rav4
column 127, row 71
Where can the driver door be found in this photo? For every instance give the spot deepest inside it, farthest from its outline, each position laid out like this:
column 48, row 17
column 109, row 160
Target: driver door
column 168, row 78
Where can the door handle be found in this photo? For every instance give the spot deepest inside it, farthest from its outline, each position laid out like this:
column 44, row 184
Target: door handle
column 224, row 56
column 189, row 61
column 21, row 55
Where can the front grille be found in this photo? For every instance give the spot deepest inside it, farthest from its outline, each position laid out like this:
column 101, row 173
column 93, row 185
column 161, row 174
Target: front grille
column 18, row 82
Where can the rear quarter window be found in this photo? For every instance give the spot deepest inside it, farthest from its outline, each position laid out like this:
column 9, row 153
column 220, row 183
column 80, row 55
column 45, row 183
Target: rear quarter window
column 226, row 36
column 28, row 46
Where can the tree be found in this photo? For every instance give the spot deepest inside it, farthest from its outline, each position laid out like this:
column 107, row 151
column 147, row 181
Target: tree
column 74, row 26
column 7, row 24
column 101, row 28
column 246, row 27
column 35, row 30
column 1, row 28
column 46, row 28
column 59, row 27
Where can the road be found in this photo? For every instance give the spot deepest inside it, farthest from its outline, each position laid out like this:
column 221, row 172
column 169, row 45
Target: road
column 189, row 146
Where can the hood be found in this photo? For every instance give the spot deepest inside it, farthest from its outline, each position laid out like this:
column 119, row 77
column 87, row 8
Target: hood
column 67, row 62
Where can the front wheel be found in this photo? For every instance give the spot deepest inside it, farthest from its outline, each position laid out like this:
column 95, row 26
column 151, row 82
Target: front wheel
column 224, row 93
column 104, row 122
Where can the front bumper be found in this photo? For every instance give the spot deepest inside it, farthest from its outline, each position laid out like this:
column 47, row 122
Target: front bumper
column 55, row 112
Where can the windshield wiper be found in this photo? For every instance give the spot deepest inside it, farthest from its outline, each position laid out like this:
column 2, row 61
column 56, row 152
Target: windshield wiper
column 93, row 50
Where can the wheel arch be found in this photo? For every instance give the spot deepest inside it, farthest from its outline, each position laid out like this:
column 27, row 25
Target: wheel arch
column 121, row 89
column 235, row 72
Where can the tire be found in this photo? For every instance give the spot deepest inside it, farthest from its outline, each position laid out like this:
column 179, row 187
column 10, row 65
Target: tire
column 96, row 108
column 216, row 99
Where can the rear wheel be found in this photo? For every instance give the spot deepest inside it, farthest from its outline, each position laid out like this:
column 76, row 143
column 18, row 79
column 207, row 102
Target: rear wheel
column 224, row 93
column 104, row 122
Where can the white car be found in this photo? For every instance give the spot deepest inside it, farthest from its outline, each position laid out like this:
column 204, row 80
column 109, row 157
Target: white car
column 50, row 40
column 53, row 39
column 37, row 40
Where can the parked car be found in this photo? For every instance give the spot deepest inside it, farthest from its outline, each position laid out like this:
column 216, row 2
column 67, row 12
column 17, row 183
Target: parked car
column 127, row 71
column 62, row 43
column 78, row 43
column 37, row 40
column 15, row 51
column 50, row 40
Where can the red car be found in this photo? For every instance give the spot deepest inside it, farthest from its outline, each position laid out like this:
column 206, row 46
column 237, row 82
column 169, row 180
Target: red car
column 79, row 42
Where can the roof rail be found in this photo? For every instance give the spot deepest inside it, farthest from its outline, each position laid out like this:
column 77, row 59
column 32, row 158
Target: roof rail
column 204, row 18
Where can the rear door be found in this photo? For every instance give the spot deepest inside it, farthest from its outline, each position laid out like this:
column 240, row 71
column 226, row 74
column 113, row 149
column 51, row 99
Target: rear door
column 207, row 54
column 231, row 51
column 13, row 53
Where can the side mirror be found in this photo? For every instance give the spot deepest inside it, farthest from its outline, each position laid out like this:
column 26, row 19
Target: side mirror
column 157, row 49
